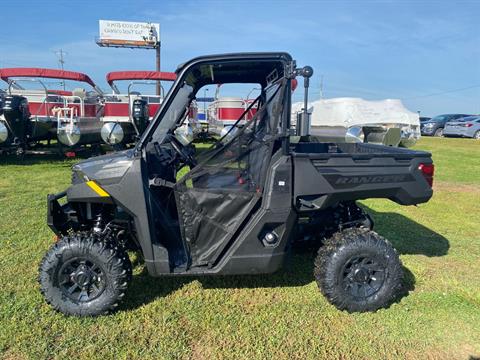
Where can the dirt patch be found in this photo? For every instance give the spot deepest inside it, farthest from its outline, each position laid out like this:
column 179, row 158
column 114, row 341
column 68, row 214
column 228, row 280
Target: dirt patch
column 11, row 355
column 464, row 351
column 455, row 187
column 202, row 348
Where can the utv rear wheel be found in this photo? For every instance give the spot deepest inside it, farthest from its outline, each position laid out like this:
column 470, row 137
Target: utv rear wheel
column 83, row 276
column 357, row 270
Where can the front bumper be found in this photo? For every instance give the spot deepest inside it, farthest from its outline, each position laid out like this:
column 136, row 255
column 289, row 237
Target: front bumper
column 427, row 130
column 61, row 218
column 58, row 216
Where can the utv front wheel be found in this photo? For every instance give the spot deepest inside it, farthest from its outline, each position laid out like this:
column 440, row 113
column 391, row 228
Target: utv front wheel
column 357, row 270
column 82, row 276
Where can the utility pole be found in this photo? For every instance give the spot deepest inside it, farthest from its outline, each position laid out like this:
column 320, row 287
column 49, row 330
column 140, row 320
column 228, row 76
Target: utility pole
column 61, row 61
column 159, row 84
column 155, row 39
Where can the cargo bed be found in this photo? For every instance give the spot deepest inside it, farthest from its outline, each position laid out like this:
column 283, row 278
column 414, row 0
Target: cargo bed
column 328, row 173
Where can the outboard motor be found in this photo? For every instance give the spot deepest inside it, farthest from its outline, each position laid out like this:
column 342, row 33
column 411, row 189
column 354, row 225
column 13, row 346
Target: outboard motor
column 140, row 115
column 17, row 118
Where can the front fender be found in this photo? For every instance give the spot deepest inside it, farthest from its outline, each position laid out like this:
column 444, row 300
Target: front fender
column 60, row 218
column 89, row 192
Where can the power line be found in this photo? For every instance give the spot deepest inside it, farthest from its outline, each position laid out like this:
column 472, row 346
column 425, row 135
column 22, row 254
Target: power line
column 443, row 92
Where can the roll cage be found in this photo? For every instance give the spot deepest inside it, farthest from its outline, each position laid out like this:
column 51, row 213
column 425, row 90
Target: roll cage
column 219, row 69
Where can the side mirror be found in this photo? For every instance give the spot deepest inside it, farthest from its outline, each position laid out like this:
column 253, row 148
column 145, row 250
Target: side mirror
column 303, row 118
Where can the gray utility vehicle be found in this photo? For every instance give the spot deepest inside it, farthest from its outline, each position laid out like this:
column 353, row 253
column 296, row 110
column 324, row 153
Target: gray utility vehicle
column 238, row 207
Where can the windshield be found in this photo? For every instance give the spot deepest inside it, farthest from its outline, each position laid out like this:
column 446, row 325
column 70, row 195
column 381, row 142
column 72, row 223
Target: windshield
column 440, row 118
column 175, row 112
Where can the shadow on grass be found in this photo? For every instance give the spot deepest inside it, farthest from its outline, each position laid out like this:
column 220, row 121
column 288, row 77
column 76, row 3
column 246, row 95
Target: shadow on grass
column 407, row 236
column 36, row 159
column 144, row 289
column 48, row 155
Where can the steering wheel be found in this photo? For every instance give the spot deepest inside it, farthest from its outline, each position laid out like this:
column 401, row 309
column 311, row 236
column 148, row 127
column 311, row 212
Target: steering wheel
column 181, row 150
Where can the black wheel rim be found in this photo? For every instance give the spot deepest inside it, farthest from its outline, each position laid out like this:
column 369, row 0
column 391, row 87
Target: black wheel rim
column 81, row 280
column 363, row 276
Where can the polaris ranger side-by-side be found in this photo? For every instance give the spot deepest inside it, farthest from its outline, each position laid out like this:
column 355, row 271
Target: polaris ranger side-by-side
column 240, row 205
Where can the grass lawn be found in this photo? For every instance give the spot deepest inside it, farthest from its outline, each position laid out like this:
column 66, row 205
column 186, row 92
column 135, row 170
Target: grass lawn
column 255, row 317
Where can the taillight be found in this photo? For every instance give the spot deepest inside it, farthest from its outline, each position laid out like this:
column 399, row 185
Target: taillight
column 468, row 125
column 428, row 171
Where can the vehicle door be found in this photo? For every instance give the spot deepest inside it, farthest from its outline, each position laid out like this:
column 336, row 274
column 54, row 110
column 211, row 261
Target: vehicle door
column 221, row 193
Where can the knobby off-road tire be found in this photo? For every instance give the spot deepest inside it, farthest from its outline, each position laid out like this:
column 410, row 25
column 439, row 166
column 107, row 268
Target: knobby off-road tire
column 358, row 270
column 83, row 276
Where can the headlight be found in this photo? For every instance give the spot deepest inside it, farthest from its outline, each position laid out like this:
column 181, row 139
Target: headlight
column 429, row 125
column 78, row 176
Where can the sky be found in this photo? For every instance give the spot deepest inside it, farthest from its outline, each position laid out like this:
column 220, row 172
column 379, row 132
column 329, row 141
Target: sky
column 426, row 53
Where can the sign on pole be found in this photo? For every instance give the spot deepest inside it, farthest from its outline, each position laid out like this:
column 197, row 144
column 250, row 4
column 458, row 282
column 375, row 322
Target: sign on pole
column 128, row 34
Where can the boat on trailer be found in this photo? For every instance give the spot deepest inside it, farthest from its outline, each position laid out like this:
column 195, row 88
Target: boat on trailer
column 3, row 128
column 126, row 115
column 224, row 112
column 34, row 115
